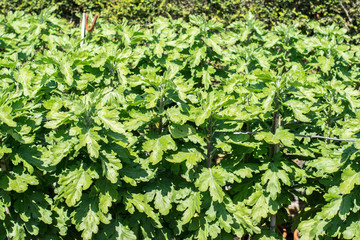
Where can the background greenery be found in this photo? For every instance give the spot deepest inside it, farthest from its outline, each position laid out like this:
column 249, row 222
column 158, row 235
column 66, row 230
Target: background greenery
column 343, row 12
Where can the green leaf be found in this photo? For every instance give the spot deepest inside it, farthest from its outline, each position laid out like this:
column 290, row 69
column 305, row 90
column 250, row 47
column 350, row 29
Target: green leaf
column 260, row 206
column 66, row 70
column 272, row 178
column 57, row 119
column 85, row 218
column 138, row 201
column 110, row 120
column 181, row 131
column 17, row 232
column 331, row 209
column 158, row 146
column 352, row 231
column 72, row 183
column 124, row 233
column 90, row 139
column 61, row 219
column 163, row 202
column 310, row 229
column 326, row 63
column 268, row 137
column 25, row 77
column 285, row 137
column 213, row 44
column 107, row 194
column 5, row 202
column 33, row 205
column 213, row 179
column 350, row 178
column 192, row 157
column 117, row 230
column 241, row 216
column 197, row 55
column 17, row 182
column 176, row 116
column 5, row 116
column 189, row 206
column 111, row 165
column 56, row 153
column 299, row 108
column 224, row 218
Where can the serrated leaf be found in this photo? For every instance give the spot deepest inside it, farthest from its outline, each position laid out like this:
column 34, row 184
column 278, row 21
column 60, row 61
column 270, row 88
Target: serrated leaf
column 268, row 137
column 66, row 70
column 124, row 233
column 107, row 194
column 61, row 219
column 310, row 229
column 272, row 178
column 72, row 183
column 331, row 209
column 5, row 116
column 90, row 140
column 181, row 131
column 25, row 77
column 350, row 178
column 111, row 165
column 189, row 206
column 158, row 146
column 117, row 230
column 163, row 203
column 213, row 179
column 197, row 55
column 85, row 218
column 138, row 201
column 56, row 119
column 192, row 157
column 326, row 63
column 260, row 209
column 110, row 120
column 33, row 205
column 17, row 182
column 285, row 137
column 212, row 43
column 176, row 116
column 241, row 215
column 352, row 231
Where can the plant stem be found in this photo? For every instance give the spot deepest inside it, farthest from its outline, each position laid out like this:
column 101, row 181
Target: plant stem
column 273, row 223
column 160, row 110
column 209, row 143
column 276, row 123
column 2, row 161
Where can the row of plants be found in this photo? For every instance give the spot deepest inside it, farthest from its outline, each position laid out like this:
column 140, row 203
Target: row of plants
column 345, row 13
column 183, row 130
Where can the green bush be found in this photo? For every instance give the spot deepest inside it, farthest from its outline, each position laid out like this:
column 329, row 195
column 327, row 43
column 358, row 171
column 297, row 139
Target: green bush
column 185, row 130
column 345, row 13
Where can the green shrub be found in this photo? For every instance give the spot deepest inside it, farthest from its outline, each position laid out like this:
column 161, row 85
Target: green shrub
column 185, row 130
column 344, row 13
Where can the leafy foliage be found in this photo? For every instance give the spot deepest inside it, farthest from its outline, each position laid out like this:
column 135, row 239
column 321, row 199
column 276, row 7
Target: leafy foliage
column 272, row 12
column 131, row 135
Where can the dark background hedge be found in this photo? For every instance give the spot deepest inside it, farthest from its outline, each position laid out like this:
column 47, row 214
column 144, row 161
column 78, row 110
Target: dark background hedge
column 346, row 13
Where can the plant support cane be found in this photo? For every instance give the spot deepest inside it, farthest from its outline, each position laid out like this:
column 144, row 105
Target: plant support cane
column 84, row 25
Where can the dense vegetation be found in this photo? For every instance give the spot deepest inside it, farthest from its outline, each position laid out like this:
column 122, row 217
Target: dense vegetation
column 345, row 13
column 131, row 136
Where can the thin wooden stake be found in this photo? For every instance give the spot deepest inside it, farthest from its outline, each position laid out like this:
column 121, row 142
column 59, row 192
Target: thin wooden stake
column 83, row 29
